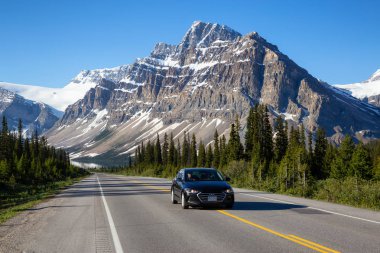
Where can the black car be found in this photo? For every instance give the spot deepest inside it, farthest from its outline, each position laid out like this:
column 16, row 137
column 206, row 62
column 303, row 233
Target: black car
column 201, row 187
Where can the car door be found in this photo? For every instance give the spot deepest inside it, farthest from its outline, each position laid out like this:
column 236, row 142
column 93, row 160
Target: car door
column 177, row 184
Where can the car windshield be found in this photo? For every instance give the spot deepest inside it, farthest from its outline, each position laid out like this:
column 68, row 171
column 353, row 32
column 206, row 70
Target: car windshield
column 203, row 175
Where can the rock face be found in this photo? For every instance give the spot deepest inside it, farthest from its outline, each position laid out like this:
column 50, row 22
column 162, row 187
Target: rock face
column 368, row 91
column 200, row 85
column 34, row 115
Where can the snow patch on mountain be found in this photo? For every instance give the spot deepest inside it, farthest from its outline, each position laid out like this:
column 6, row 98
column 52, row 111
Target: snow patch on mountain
column 370, row 87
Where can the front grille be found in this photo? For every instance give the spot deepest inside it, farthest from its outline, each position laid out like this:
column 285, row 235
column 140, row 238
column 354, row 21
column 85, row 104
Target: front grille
column 203, row 197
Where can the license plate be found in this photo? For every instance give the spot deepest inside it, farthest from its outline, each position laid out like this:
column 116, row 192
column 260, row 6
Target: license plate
column 212, row 198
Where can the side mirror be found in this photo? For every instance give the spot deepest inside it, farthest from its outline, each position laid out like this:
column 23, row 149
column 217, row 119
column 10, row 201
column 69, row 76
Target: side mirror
column 179, row 179
column 228, row 179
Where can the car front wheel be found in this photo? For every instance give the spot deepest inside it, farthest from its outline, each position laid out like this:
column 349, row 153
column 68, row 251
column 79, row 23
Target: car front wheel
column 174, row 201
column 183, row 201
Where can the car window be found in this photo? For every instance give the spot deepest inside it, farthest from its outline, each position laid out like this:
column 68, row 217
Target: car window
column 203, row 175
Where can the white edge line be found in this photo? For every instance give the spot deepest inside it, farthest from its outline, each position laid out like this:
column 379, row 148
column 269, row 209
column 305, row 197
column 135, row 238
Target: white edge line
column 115, row 236
column 319, row 209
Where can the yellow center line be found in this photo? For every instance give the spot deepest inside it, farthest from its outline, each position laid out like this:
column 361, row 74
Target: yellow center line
column 313, row 243
column 295, row 239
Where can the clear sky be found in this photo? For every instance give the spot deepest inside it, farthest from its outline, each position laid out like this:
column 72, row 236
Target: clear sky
column 47, row 42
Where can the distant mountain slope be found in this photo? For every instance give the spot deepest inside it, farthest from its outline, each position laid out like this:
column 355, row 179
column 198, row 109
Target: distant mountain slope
column 200, row 85
column 60, row 98
column 368, row 90
column 34, row 115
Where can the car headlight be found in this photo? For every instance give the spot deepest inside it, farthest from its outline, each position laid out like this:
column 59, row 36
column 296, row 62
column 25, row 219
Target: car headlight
column 188, row 190
column 229, row 190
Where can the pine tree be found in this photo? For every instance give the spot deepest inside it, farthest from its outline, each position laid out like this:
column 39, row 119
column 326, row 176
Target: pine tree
column 249, row 133
column 281, row 139
column 193, row 151
column 223, row 151
column 216, row 150
column 165, row 150
column 19, row 143
column 185, row 151
column 267, row 145
column 209, row 157
column 201, row 155
column 177, row 159
column 319, row 167
column 235, row 148
column 157, row 151
column 360, row 165
column 341, row 163
column 172, row 152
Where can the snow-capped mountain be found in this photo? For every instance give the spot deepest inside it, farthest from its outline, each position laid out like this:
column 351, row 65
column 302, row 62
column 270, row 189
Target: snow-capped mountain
column 200, row 85
column 34, row 115
column 368, row 90
column 60, row 98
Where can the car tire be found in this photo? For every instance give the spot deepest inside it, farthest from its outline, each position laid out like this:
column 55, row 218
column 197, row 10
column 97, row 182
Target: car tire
column 174, row 201
column 183, row 201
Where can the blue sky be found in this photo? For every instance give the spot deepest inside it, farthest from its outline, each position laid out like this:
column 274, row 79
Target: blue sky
column 47, row 43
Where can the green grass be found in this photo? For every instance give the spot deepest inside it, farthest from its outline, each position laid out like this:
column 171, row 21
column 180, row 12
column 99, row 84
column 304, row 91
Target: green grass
column 12, row 204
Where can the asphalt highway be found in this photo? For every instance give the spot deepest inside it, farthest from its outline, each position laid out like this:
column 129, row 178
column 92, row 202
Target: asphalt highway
column 109, row 213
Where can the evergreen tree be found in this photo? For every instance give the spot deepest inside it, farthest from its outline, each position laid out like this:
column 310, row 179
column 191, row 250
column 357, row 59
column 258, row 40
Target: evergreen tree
column 319, row 168
column 157, row 151
column 185, row 151
column 201, row 155
column 223, row 151
column 341, row 163
column 281, row 139
column 19, row 143
column 216, row 160
column 193, row 151
column 249, row 133
column 209, row 157
column 360, row 165
column 172, row 152
column 165, row 150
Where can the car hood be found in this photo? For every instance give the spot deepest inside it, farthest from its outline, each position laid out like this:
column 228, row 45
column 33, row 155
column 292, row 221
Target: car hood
column 208, row 186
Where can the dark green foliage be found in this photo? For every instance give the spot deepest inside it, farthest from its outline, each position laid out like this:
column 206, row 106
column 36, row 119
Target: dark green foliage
column 281, row 139
column 209, row 157
column 165, row 150
column 216, row 159
column 157, row 151
column 319, row 168
column 341, row 164
column 201, row 155
column 185, row 156
column 25, row 162
column 193, row 152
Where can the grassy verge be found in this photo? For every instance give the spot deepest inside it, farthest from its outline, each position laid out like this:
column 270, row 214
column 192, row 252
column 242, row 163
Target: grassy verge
column 17, row 202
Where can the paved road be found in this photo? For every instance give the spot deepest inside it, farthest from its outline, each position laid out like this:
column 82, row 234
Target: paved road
column 107, row 213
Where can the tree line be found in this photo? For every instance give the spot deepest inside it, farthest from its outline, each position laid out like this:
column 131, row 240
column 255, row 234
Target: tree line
column 274, row 157
column 31, row 161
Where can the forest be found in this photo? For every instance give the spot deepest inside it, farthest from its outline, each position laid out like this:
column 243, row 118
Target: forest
column 29, row 166
column 274, row 158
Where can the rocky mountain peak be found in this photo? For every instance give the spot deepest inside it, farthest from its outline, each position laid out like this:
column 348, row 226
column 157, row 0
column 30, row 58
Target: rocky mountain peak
column 202, row 34
column 161, row 50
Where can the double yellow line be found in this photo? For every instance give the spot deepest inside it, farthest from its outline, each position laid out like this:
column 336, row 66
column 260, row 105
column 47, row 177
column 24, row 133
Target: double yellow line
column 293, row 238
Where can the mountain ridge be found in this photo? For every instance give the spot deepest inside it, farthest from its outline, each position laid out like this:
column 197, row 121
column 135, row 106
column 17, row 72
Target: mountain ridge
column 201, row 84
